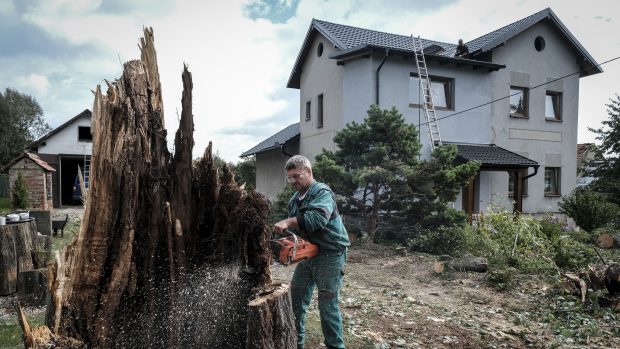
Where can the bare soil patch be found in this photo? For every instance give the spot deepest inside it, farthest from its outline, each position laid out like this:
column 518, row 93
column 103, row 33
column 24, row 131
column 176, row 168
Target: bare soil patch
column 393, row 301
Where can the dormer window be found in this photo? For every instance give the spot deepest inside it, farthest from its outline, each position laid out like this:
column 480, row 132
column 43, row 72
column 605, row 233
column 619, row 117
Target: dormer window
column 84, row 134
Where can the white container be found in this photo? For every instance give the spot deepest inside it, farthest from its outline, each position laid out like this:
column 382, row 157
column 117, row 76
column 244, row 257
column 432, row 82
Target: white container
column 24, row 216
column 12, row 218
column 2, row 220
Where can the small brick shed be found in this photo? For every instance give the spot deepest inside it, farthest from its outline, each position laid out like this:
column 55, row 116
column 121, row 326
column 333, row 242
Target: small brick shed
column 38, row 177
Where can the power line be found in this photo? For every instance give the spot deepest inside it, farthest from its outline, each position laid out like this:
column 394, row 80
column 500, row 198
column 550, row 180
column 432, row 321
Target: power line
column 514, row 94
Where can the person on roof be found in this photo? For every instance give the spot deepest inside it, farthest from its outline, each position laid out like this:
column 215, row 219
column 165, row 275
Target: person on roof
column 462, row 51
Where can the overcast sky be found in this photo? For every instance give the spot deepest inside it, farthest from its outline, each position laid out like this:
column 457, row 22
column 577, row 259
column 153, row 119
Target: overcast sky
column 241, row 52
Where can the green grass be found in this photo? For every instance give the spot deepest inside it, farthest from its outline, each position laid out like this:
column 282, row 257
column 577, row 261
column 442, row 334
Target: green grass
column 5, row 205
column 11, row 332
column 71, row 230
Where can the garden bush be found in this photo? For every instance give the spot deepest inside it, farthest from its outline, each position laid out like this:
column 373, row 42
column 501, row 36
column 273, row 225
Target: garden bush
column 439, row 240
column 19, row 195
column 589, row 209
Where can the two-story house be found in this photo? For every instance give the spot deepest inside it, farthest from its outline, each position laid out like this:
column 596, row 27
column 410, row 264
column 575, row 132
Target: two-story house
column 512, row 104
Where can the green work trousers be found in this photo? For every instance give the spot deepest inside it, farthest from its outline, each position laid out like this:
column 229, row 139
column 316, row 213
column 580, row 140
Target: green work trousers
column 325, row 271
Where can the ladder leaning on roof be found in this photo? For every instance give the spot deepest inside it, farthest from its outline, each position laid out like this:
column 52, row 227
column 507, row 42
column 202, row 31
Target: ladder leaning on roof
column 425, row 87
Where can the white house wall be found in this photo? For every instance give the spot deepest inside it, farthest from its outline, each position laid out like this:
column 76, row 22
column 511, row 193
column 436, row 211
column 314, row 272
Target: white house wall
column 550, row 143
column 326, row 79
column 66, row 141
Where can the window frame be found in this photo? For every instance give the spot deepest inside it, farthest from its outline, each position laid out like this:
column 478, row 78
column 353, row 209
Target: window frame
column 450, row 90
column 557, row 173
column 319, row 110
column 557, row 108
column 308, row 110
column 526, row 102
column 511, row 178
column 80, row 134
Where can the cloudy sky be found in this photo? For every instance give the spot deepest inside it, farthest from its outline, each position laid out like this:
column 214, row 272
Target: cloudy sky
column 241, row 52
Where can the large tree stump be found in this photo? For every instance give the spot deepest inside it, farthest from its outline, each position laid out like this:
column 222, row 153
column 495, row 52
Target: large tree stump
column 169, row 252
column 18, row 253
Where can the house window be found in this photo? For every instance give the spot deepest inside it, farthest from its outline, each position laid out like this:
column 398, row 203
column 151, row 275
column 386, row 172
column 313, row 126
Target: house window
column 552, row 181
column 511, row 182
column 319, row 112
column 442, row 91
column 518, row 101
column 308, row 110
column 553, row 106
column 84, row 134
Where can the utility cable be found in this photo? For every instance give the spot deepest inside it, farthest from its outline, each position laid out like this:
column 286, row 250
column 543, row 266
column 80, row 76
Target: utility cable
column 531, row 88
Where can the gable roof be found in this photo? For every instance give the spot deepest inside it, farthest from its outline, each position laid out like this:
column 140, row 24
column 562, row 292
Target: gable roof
column 35, row 144
column 491, row 156
column 276, row 141
column 352, row 40
column 34, row 158
column 497, row 37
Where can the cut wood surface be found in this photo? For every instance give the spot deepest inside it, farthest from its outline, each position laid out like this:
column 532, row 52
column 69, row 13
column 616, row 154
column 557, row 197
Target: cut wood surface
column 466, row 263
column 608, row 241
column 170, row 250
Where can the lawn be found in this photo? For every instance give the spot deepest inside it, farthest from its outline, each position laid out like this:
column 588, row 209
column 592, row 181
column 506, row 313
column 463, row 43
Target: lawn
column 5, row 205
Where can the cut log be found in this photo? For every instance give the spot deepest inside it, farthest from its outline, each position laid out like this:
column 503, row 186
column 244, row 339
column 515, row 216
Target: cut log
column 608, row 241
column 467, row 263
column 270, row 322
column 32, row 287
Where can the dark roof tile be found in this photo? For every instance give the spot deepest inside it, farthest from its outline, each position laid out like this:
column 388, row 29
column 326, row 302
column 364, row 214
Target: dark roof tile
column 275, row 141
column 492, row 156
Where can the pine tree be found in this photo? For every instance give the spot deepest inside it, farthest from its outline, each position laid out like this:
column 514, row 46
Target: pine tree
column 607, row 170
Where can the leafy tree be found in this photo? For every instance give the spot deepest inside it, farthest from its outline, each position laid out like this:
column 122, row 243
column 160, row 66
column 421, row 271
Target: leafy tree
column 376, row 169
column 20, row 197
column 607, row 170
column 589, row 209
column 246, row 172
column 22, row 122
column 279, row 207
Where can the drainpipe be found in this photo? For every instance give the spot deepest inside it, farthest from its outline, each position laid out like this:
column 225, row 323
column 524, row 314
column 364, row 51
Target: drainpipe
column 530, row 175
column 284, row 151
column 387, row 52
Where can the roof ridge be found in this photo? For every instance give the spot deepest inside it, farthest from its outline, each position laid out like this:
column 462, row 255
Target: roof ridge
column 548, row 9
column 381, row 32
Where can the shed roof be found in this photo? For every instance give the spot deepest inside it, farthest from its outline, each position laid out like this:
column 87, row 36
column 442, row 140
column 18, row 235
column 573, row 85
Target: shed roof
column 491, row 156
column 34, row 158
column 276, row 141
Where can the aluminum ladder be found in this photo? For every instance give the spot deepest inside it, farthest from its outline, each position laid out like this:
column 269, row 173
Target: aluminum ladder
column 86, row 174
column 425, row 87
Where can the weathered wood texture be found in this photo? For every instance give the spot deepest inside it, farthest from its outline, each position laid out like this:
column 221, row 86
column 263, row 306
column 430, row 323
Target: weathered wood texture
column 156, row 230
column 21, row 249
column 270, row 322
column 32, row 286
column 607, row 241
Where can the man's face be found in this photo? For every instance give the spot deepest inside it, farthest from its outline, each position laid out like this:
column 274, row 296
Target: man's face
column 299, row 178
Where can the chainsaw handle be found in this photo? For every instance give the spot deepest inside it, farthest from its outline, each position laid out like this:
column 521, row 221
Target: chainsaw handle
column 295, row 239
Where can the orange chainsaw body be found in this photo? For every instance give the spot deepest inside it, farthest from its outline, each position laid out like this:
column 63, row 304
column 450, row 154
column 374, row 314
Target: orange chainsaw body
column 293, row 249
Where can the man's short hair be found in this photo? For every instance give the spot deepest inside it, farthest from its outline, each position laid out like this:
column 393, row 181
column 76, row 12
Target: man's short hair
column 298, row 161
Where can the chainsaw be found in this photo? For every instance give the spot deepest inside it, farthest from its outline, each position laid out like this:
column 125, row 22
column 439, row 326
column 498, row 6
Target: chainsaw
column 292, row 249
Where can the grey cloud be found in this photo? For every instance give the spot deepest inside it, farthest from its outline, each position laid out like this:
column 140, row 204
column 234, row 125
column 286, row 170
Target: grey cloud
column 136, row 7
column 277, row 11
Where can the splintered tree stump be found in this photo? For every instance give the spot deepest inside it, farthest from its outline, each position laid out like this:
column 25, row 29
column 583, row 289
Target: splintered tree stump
column 170, row 251
column 270, row 321
column 608, row 241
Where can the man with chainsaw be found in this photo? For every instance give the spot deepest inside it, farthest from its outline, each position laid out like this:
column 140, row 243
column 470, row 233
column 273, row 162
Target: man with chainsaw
column 314, row 216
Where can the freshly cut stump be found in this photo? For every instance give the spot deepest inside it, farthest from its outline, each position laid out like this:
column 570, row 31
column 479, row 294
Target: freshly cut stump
column 270, row 321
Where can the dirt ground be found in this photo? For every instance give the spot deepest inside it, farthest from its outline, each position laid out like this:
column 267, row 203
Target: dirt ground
column 393, row 301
